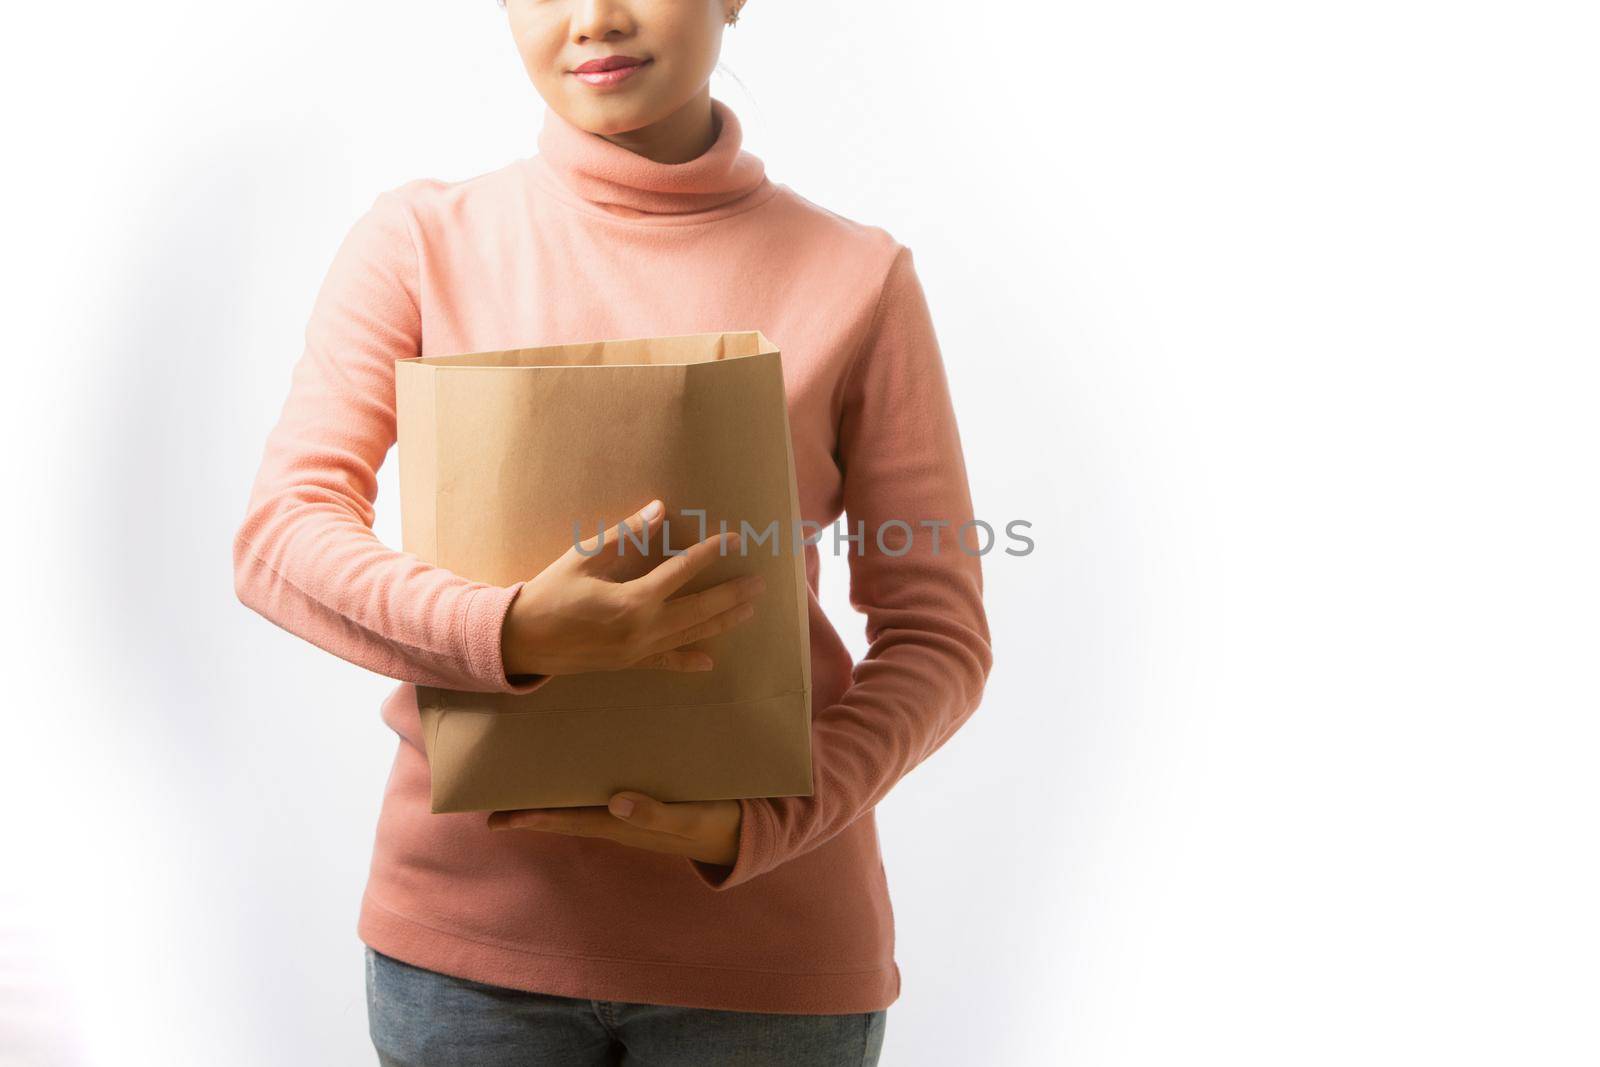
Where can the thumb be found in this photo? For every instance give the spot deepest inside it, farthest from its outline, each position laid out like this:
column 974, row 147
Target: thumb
column 646, row 812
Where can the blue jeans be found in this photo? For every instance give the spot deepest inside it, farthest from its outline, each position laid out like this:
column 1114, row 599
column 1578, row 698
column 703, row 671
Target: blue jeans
column 420, row 1018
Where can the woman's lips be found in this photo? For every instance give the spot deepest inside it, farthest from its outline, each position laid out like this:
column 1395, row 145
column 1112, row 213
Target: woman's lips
column 609, row 77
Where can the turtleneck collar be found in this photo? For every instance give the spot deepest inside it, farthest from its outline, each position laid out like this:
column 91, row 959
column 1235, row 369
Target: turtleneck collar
column 596, row 174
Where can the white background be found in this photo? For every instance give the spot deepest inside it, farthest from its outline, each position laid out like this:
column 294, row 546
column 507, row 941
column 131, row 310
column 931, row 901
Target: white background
column 1278, row 320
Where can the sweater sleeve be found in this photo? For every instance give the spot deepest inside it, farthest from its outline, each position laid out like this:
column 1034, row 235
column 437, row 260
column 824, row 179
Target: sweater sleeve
column 306, row 557
column 929, row 651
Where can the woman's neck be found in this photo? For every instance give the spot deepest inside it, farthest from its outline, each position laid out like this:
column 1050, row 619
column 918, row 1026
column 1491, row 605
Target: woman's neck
column 681, row 136
column 677, row 167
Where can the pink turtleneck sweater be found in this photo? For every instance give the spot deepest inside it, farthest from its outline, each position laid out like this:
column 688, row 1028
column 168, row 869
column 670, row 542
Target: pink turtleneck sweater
column 585, row 241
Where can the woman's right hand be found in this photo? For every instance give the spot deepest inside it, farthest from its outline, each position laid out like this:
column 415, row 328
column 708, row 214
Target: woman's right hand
column 578, row 615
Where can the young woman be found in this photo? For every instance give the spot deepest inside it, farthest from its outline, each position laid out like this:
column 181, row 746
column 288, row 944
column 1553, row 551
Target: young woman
column 738, row 931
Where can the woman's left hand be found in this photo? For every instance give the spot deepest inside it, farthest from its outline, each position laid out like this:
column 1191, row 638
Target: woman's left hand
column 706, row 830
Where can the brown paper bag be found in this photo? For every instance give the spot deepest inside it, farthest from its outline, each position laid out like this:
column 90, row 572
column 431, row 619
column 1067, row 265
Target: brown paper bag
column 501, row 453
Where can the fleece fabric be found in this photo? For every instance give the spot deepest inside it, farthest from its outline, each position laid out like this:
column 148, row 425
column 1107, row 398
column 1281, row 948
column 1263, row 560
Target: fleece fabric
column 586, row 240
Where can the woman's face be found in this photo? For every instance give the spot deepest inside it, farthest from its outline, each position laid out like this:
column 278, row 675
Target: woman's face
column 677, row 41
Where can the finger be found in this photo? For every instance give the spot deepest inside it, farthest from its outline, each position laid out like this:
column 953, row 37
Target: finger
column 713, row 626
column 676, row 571
column 596, row 822
column 647, row 813
column 587, row 821
column 675, row 659
column 645, row 519
column 682, row 614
